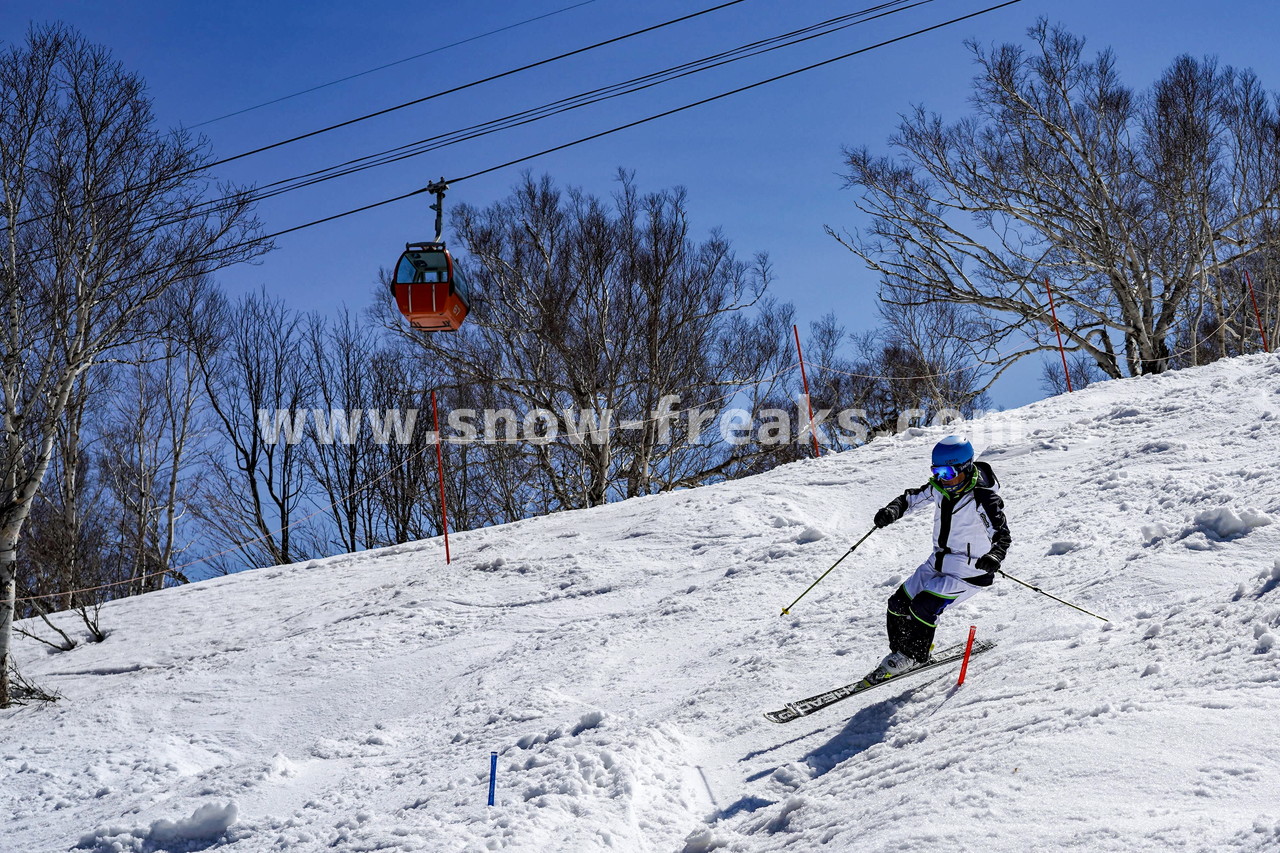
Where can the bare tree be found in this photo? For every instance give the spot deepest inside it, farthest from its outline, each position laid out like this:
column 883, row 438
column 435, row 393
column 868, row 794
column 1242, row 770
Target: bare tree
column 253, row 367
column 1083, row 370
column 101, row 213
column 914, row 368
column 839, row 376
column 67, row 555
column 343, row 454
column 593, row 313
column 67, row 549
column 1127, row 202
column 1205, row 332
column 940, row 372
column 403, row 475
column 153, row 443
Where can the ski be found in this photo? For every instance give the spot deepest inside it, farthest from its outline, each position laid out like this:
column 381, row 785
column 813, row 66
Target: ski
column 804, row 707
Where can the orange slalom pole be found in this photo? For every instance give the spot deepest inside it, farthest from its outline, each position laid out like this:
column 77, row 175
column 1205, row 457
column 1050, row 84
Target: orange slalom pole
column 809, row 400
column 444, row 511
column 1058, row 329
column 964, row 667
column 1256, row 313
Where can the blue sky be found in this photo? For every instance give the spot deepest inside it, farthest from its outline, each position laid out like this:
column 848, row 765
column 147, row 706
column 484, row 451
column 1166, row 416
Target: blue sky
column 763, row 165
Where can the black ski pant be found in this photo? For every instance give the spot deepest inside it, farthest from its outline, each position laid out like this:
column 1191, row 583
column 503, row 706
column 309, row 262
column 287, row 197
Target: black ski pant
column 911, row 622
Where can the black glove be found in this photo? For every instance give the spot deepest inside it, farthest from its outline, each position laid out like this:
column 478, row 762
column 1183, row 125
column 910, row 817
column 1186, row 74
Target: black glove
column 987, row 563
column 885, row 517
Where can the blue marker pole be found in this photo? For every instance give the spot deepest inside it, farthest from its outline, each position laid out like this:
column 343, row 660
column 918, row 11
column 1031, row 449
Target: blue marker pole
column 493, row 774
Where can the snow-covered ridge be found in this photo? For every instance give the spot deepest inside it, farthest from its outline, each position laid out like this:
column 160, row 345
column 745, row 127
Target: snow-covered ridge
column 618, row 659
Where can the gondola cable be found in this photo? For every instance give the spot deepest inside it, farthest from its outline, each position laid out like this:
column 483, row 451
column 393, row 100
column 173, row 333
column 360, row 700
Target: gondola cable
column 387, row 65
column 638, row 122
column 261, row 240
column 583, row 99
column 207, row 166
column 472, row 84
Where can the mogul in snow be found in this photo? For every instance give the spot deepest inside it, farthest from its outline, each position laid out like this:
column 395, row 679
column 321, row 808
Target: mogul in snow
column 970, row 540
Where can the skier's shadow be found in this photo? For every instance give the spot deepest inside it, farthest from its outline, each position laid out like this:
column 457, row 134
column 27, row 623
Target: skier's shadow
column 864, row 730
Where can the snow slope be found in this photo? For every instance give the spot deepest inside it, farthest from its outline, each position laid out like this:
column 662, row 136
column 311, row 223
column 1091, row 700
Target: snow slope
column 618, row 660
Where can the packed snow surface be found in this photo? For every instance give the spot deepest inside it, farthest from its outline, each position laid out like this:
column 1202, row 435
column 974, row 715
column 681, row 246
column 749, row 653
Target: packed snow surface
column 618, row 660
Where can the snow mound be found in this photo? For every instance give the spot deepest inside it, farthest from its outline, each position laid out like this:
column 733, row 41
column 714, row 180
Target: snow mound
column 205, row 826
column 617, row 661
column 1223, row 525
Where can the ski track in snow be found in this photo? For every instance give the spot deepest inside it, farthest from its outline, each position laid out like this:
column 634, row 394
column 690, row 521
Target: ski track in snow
column 618, row 661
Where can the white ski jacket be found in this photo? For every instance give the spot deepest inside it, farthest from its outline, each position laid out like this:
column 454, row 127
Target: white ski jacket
column 964, row 527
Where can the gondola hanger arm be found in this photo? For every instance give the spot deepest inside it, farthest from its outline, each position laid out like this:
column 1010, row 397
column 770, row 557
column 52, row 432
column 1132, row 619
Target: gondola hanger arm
column 438, row 190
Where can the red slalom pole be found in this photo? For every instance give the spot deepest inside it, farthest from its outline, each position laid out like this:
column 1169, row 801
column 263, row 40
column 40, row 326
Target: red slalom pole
column 444, row 512
column 964, row 667
column 808, row 400
column 1058, row 329
column 1256, row 313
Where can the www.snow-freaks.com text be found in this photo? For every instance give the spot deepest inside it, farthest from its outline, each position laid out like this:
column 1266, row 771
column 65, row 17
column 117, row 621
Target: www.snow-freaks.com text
column 666, row 424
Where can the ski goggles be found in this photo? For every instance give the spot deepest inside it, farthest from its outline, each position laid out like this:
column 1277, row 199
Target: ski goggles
column 949, row 472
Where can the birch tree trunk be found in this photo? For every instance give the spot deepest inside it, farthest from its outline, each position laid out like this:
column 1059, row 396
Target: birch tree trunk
column 100, row 214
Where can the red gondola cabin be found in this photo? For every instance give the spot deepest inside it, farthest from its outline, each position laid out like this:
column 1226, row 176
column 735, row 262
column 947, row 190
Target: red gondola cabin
column 429, row 288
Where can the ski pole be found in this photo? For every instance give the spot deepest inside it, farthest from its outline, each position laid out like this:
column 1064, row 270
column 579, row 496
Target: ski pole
column 1054, row 597
column 786, row 611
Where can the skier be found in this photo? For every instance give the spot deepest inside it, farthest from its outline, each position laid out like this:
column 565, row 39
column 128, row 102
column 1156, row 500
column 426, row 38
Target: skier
column 970, row 540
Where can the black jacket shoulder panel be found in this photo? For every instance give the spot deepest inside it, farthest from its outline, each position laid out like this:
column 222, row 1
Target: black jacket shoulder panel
column 987, row 495
column 986, row 476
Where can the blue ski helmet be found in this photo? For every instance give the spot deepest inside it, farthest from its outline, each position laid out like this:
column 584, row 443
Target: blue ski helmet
column 953, row 466
column 952, row 450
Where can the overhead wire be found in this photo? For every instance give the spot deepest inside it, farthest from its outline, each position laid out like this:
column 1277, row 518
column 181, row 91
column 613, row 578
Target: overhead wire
column 562, row 105
column 434, row 50
column 385, row 111
column 638, row 122
column 645, row 120
column 582, row 99
column 736, row 91
column 473, row 83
